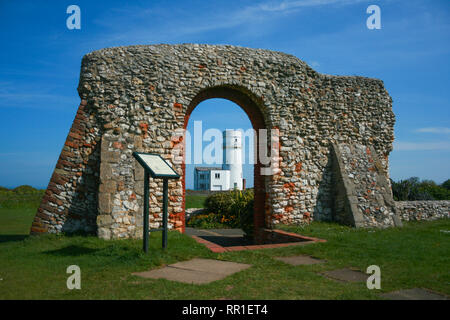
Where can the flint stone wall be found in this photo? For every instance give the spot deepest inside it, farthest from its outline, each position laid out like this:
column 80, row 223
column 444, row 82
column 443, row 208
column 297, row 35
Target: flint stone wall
column 423, row 210
column 135, row 98
column 363, row 195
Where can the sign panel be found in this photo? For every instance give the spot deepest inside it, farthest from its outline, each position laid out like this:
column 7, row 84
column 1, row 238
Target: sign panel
column 156, row 166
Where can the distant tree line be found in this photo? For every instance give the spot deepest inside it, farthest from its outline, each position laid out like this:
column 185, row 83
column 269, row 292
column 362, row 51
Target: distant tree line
column 415, row 189
column 20, row 197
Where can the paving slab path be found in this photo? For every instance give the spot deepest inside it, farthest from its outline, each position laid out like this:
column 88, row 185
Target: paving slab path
column 347, row 275
column 197, row 271
column 414, row 294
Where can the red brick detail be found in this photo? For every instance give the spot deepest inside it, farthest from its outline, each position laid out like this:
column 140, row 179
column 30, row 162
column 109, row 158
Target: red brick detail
column 75, row 135
column 74, row 145
column 296, row 239
column 175, row 143
column 117, row 145
column 306, row 216
column 71, row 144
column 278, row 216
column 290, row 188
column 236, row 248
column 177, row 106
column 144, row 129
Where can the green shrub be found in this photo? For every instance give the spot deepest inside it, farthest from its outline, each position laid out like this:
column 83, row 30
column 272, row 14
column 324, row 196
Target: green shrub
column 219, row 203
column 242, row 208
column 435, row 191
column 21, row 197
column 25, row 190
column 246, row 221
column 206, row 221
column 233, row 209
column 413, row 189
column 446, row 184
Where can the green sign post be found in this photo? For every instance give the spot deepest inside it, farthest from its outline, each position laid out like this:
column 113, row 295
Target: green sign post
column 157, row 168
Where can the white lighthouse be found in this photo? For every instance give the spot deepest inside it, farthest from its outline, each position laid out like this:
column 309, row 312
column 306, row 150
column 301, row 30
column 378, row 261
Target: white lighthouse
column 232, row 157
column 230, row 175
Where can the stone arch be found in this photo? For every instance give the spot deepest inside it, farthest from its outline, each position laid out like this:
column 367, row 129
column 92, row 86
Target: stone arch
column 133, row 99
column 253, row 106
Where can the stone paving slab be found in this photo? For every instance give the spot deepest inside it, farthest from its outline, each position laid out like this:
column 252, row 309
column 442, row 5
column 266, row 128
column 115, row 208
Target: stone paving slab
column 299, row 260
column 413, row 294
column 347, row 275
column 197, row 271
column 181, row 275
column 210, row 265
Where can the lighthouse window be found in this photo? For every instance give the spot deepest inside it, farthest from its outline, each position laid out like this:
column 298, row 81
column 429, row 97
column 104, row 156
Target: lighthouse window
column 217, row 175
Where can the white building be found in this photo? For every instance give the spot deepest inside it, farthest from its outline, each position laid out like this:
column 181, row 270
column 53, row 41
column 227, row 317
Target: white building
column 230, row 175
column 210, row 178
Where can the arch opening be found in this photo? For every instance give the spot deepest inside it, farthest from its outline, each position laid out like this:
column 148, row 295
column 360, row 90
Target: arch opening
column 252, row 107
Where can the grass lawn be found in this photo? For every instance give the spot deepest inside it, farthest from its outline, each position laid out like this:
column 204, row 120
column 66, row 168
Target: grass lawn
column 17, row 211
column 195, row 200
column 416, row 255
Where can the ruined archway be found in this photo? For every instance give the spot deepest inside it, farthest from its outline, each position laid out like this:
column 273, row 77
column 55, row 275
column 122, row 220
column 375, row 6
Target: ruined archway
column 335, row 133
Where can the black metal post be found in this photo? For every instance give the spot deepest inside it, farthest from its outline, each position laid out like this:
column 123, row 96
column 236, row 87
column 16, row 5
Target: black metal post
column 146, row 211
column 165, row 192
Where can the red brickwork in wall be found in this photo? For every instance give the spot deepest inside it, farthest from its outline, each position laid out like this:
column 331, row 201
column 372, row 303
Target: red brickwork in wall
column 57, row 205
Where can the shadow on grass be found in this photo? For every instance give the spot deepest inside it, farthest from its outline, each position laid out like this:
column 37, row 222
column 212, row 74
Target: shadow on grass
column 72, row 250
column 12, row 237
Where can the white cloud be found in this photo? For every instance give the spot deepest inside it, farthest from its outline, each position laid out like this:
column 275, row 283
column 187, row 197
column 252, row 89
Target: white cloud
column 434, row 130
column 421, row 146
column 289, row 5
column 25, row 95
column 138, row 24
column 36, row 100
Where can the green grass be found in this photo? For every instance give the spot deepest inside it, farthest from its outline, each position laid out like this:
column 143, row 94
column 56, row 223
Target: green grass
column 15, row 199
column 16, row 221
column 195, row 200
column 416, row 255
column 17, row 209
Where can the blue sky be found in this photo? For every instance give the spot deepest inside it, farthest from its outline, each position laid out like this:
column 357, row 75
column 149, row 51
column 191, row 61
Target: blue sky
column 40, row 65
